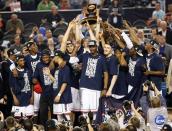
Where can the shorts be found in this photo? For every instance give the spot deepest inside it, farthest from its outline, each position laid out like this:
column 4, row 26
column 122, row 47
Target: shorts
column 76, row 104
column 22, row 111
column 36, row 101
column 89, row 100
column 59, row 109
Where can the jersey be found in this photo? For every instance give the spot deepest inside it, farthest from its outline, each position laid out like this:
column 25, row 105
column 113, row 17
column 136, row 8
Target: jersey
column 112, row 67
column 44, row 80
column 135, row 71
column 155, row 63
column 32, row 61
column 93, row 68
column 62, row 76
column 22, row 86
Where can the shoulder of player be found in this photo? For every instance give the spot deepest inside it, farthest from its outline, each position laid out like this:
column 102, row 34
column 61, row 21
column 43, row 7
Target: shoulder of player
column 66, row 68
column 157, row 57
column 40, row 65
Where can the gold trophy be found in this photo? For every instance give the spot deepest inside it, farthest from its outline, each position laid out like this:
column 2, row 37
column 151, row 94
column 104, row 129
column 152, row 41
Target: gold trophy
column 90, row 15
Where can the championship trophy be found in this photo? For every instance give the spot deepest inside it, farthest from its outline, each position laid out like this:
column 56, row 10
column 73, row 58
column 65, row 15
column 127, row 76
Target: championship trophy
column 90, row 15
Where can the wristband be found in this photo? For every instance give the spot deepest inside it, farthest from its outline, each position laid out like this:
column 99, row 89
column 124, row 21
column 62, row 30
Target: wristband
column 59, row 94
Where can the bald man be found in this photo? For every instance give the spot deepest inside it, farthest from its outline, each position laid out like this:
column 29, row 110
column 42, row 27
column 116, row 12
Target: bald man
column 166, row 32
column 165, row 49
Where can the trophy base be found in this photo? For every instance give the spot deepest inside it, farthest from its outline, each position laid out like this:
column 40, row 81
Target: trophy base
column 91, row 21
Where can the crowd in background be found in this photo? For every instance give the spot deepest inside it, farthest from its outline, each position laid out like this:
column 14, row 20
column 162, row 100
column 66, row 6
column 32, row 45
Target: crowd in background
column 85, row 75
column 5, row 5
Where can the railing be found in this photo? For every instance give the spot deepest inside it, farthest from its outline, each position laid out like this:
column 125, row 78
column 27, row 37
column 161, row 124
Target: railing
column 131, row 14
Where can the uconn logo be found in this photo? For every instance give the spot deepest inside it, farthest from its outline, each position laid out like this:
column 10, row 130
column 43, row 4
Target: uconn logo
column 160, row 120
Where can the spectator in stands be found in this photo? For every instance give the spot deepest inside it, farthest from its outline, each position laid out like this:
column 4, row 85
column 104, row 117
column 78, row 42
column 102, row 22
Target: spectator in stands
column 158, row 13
column 105, row 127
column 170, row 8
column 84, row 45
column 59, row 41
column 165, row 50
column 76, row 4
column 42, row 30
column 2, row 5
column 45, row 5
column 131, row 128
column 115, row 14
column 141, row 36
column 22, row 38
column 51, row 46
column 7, row 4
column 106, row 3
column 17, row 43
column 2, row 27
column 28, row 5
column 51, row 125
column 64, row 4
column 84, row 10
column 34, row 32
column 10, row 123
column 97, row 2
column 169, row 20
column 149, row 92
column 28, row 125
column 41, row 43
column 13, row 23
column 53, row 18
column 137, row 120
column 166, row 32
column 50, row 36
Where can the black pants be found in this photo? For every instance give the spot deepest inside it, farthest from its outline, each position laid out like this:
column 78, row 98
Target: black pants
column 46, row 102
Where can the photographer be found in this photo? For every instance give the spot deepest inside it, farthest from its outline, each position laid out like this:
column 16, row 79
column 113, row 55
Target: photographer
column 86, row 122
column 137, row 120
column 153, row 106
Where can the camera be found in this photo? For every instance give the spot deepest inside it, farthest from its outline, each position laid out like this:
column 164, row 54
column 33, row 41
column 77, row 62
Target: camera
column 82, row 121
column 111, row 111
column 149, row 84
column 127, row 105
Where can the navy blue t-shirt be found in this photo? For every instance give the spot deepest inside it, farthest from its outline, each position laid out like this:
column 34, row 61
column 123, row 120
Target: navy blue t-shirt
column 75, row 74
column 44, row 80
column 93, row 68
column 135, row 72
column 155, row 63
column 112, row 66
column 63, row 75
column 21, row 86
column 32, row 61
